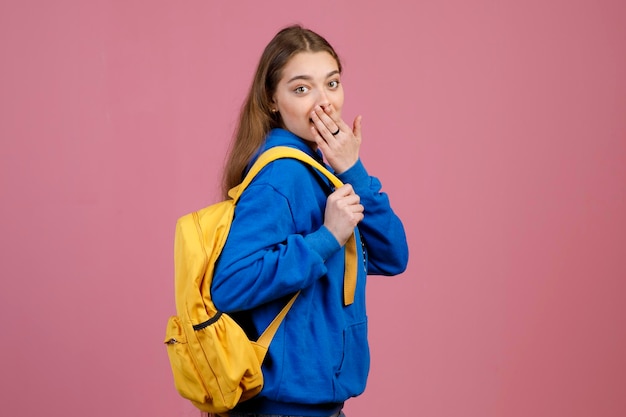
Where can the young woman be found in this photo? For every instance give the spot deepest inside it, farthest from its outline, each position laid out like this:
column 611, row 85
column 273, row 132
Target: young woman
column 290, row 228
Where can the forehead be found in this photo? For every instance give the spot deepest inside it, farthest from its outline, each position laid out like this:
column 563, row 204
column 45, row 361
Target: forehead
column 309, row 64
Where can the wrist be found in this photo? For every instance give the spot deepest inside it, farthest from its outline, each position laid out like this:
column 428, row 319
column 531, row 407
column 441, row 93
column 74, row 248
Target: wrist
column 340, row 169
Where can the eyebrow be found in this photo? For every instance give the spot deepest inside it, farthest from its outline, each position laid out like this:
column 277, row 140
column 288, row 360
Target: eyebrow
column 308, row 77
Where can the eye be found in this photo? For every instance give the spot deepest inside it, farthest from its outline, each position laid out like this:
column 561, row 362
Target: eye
column 301, row 89
column 333, row 84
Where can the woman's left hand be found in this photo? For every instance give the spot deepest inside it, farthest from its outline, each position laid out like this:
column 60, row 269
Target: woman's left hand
column 338, row 142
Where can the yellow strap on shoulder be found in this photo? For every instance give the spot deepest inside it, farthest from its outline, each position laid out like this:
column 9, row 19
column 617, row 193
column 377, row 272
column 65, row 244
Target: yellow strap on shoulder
column 351, row 259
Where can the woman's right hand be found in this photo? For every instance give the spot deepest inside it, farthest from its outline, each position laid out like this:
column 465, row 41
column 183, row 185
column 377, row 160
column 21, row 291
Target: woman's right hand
column 343, row 213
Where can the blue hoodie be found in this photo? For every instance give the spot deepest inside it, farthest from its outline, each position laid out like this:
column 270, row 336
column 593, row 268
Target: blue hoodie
column 277, row 245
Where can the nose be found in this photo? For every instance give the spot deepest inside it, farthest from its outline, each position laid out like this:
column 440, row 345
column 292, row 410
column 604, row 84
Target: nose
column 322, row 100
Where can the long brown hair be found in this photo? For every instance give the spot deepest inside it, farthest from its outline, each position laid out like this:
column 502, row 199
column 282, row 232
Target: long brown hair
column 256, row 118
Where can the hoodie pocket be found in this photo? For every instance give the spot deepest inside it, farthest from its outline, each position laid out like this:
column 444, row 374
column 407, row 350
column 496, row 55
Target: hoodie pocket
column 351, row 375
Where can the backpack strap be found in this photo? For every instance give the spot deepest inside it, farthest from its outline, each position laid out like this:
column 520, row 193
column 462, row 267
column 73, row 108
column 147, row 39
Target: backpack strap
column 279, row 152
column 266, row 337
column 351, row 258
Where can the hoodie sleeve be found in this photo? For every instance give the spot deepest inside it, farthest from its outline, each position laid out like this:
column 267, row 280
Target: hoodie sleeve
column 382, row 231
column 264, row 257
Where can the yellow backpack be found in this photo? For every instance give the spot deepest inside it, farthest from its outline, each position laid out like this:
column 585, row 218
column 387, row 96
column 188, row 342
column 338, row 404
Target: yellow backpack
column 214, row 364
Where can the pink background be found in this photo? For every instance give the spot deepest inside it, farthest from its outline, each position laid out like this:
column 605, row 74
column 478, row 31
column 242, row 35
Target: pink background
column 498, row 129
